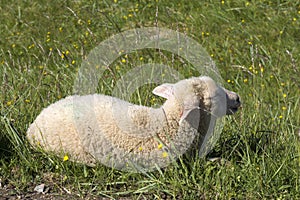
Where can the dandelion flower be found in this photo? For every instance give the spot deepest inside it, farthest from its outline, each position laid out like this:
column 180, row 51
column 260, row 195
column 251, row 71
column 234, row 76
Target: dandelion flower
column 66, row 157
column 164, row 154
column 159, row 146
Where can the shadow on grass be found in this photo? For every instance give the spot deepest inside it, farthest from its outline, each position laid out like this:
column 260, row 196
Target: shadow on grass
column 6, row 148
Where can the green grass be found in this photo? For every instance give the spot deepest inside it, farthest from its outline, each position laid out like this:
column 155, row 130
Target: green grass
column 256, row 47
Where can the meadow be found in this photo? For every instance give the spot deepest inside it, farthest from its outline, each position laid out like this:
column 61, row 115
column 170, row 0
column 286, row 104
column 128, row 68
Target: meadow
column 254, row 44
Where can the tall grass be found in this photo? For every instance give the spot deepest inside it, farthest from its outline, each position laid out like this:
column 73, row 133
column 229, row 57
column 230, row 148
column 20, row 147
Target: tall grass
column 255, row 45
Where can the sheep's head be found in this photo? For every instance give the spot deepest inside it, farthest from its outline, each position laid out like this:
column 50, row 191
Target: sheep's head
column 221, row 101
column 200, row 94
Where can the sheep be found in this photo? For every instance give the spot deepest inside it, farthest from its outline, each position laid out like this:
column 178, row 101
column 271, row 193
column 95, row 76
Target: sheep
column 99, row 128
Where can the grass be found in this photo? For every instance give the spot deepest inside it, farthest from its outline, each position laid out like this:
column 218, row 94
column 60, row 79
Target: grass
column 255, row 45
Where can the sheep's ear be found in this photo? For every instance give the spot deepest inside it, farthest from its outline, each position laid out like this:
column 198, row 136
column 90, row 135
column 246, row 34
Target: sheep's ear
column 165, row 90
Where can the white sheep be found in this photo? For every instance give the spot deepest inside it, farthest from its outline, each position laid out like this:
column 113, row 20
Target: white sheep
column 117, row 133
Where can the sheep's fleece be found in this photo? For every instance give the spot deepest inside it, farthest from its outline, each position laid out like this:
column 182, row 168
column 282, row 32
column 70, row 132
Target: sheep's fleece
column 98, row 128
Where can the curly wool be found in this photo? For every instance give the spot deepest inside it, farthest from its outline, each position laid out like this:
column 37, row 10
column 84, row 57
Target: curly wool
column 98, row 128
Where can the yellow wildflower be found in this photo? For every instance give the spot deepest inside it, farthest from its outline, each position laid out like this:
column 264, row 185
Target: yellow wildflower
column 164, row 154
column 66, row 157
column 159, row 146
column 283, row 108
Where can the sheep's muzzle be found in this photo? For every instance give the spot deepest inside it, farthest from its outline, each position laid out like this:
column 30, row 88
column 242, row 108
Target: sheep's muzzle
column 233, row 102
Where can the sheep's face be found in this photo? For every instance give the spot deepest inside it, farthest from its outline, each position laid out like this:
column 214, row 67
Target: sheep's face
column 221, row 101
column 200, row 93
column 233, row 102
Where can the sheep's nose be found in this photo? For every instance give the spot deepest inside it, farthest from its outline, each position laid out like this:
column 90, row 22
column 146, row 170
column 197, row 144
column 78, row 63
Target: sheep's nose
column 237, row 100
